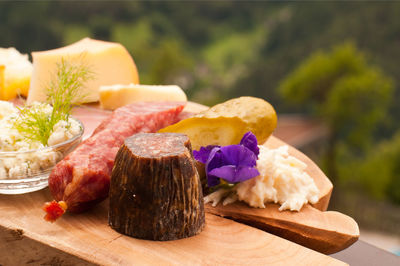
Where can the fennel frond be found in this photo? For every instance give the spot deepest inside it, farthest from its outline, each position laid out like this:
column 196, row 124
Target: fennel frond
column 35, row 122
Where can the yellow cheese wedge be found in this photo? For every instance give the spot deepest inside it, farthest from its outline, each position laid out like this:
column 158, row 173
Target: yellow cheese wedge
column 112, row 97
column 2, row 67
column 110, row 62
column 15, row 73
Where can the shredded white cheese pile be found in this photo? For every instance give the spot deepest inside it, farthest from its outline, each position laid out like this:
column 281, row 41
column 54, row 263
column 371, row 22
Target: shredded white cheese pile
column 282, row 180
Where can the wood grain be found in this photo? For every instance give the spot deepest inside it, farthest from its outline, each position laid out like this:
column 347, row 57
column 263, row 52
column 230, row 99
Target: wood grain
column 89, row 237
column 327, row 232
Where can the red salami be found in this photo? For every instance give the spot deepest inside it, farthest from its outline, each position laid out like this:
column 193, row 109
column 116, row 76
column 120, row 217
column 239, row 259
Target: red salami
column 83, row 177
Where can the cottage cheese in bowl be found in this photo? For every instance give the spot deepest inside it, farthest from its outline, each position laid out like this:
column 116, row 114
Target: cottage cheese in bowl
column 26, row 163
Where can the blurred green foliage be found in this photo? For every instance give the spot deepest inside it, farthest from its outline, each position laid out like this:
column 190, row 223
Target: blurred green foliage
column 377, row 173
column 350, row 95
column 227, row 48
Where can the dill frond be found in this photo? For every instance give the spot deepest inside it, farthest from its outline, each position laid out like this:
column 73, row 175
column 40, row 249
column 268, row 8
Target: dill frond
column 65, row 89
column 33, row 122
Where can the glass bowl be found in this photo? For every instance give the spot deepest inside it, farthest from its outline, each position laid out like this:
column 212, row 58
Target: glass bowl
column 43, row 159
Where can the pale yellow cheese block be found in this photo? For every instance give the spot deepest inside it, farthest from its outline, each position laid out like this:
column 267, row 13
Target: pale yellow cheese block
column 112, row 97
column 110, row 62
column 2, row 67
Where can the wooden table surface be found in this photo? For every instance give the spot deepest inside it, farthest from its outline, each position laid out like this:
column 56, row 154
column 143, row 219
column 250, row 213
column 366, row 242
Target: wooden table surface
column 364, row 254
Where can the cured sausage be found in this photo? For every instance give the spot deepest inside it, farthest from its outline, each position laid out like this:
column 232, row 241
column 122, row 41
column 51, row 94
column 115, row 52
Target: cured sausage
column 155, row 189
column 82, row 179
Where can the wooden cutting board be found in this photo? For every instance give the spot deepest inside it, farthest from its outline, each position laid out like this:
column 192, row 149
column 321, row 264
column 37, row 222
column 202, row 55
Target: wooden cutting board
column 77, row 239
column 89, row 237
column 313, row 227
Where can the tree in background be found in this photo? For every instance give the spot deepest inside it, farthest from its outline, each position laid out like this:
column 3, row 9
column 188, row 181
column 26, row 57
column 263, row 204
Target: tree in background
column 379, row 172
column 350, row 95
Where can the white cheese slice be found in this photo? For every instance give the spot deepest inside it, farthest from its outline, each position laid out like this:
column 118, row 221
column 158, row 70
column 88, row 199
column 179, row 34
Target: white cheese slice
column 15, row 73
column 112, row 97
column 110, row 62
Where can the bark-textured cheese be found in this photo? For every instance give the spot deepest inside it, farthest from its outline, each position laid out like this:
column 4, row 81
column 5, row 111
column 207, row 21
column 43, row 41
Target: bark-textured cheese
column 112, row 97
column 110, row 62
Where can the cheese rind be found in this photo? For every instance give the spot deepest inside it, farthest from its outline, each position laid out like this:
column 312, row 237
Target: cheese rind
column 109, row 62
column 112, row 97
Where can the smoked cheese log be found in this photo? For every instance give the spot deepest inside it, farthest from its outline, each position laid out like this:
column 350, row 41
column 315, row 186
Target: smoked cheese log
column 155, row 190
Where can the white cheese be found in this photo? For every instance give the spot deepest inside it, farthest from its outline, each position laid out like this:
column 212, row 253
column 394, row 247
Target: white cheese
column 112, row 97
column 63, row 131
column 15, row 73
column 26, row 164
column 6, row 108
column 110, row 62
column 282, row 180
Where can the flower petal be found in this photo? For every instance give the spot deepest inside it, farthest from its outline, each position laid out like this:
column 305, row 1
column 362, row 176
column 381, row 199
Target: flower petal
column 233, row 163
column 244, row 173
column 214, row 160
column 212, row 180
column 234, row 174
column 249, row 140
column 203, row 154
column 238, row 155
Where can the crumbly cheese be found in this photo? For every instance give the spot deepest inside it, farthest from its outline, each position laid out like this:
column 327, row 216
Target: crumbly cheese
column 282, row 180
column 109, row 62
column 6, row 108
column 25, row 164
column 63, row 131
column 112, row 97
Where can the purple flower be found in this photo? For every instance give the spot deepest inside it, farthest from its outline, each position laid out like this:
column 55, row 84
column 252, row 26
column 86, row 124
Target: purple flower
column 204, row 152
column 233, row 163
column 249, row 140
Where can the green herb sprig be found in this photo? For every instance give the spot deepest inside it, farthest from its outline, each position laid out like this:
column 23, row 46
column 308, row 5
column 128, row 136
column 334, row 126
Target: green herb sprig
column 33, row 122
column 66, row 88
